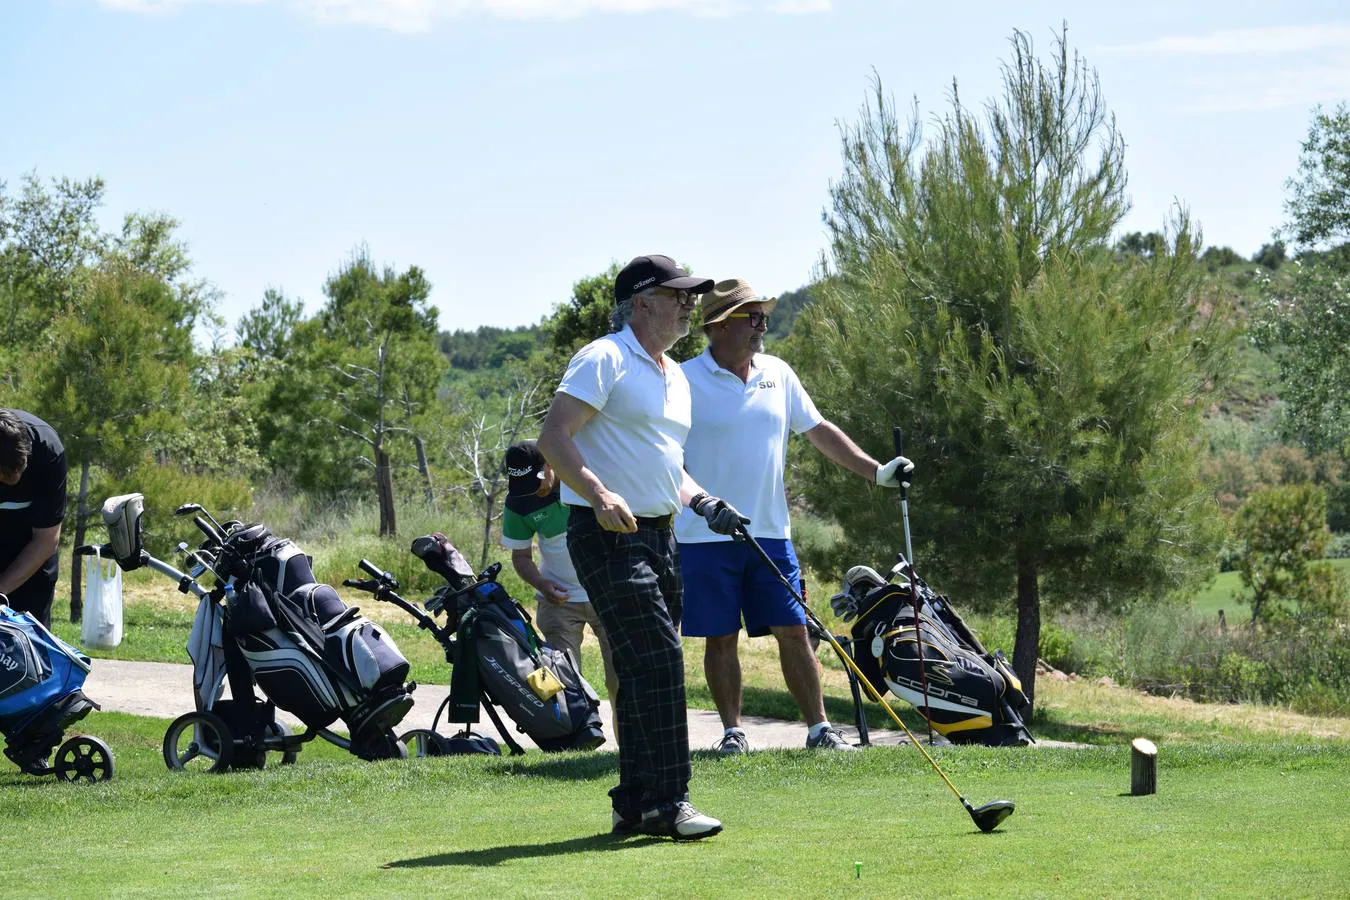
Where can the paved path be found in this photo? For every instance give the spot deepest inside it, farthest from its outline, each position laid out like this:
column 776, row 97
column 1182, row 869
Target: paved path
column 164, row 690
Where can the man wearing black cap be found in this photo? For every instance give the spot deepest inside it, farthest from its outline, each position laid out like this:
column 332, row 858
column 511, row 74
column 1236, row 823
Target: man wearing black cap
column 32, row 506
column 535, row 511
column 615, row 435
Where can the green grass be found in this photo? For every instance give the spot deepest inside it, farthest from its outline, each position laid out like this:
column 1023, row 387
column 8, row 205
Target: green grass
column 1228, row 594
column 796, row 824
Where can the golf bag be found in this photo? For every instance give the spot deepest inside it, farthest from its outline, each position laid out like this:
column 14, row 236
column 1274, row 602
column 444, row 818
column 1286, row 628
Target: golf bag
column 499, row 658
column 968, row 695
column 41, row 677
column 309, row 653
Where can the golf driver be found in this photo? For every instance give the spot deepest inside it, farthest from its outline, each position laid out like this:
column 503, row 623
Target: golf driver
column 986, row 817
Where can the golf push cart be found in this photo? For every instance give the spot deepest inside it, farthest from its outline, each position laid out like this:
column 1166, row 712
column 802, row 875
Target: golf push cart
column 41, row 677
column 264, row 622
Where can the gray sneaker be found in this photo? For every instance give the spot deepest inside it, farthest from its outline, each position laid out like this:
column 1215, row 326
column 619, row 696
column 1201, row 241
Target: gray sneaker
column 679, row 821
column 732, row 744
column 829, row 739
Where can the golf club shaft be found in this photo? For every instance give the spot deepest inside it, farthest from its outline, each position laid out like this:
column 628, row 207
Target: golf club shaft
column 898, row 436
column 853, row 667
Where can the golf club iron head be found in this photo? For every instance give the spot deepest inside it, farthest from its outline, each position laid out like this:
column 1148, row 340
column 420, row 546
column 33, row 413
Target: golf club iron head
column 989, row 816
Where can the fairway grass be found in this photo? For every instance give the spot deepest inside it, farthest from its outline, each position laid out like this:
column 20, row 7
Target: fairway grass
column 1227, row 592
column 1258, row 817
column 1250, row 804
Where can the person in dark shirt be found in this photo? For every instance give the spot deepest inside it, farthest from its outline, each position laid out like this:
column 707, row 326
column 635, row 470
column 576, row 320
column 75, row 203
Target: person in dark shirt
column 32, row 505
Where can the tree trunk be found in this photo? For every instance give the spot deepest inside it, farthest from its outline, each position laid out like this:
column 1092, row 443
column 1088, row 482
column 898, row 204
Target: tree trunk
column 423, row 468
column 489, row 501
column 76, row 580
column 1026, row 645
column 384, row 487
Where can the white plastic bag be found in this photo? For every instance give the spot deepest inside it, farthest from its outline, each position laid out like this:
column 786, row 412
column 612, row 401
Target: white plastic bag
column 102, row 626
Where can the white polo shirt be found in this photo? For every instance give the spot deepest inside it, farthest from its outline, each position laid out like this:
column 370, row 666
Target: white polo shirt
column 737, row 446
column 635, row 442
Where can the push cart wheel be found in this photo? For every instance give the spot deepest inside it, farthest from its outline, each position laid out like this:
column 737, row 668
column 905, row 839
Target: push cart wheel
column 423, row 742
column 378, row 744
column 248, row 758
column 200, row 741
column 279, row 731
column 84, row 758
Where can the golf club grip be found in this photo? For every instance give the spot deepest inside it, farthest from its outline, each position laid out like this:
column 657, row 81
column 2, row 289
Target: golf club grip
column 898, row 438
column 371, row 569
column 208, row 529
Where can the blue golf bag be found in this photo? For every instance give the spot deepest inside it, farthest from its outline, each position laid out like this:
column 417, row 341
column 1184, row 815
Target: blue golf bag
column 41, row 677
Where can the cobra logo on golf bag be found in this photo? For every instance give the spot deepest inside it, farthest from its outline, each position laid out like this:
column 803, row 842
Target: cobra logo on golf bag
column 901, row 683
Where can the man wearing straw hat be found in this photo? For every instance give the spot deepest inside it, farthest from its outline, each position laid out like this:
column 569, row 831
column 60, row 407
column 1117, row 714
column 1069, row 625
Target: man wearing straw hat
column 745, row 404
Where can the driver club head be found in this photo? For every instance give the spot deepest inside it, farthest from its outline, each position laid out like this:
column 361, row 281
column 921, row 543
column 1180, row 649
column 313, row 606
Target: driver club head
column 990, row 815
column 187, row 508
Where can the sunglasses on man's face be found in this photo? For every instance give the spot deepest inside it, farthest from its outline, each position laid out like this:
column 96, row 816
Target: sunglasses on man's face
column 683, row 298
column 757, row 319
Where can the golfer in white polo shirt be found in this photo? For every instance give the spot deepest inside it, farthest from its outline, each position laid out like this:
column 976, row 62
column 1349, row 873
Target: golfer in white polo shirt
column 615, row 435
column 745, row 404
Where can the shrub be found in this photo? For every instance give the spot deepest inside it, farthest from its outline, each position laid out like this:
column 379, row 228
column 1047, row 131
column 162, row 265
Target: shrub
column 1281, row 531
column 166, row 487
column 1302, row 660
column 339, row 532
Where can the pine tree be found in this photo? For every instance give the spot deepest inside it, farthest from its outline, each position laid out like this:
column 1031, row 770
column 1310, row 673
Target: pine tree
column 1051, row 387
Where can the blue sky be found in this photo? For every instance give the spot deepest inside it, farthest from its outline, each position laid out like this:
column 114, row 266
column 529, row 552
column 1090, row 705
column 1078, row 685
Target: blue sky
column 511, row 147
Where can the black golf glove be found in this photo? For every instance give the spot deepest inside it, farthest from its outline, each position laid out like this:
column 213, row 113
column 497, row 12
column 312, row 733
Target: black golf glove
column 721, row 516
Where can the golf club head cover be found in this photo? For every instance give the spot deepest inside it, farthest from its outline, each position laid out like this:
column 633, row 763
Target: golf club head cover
column 895, row 473
column 443, row 558
column 859, row 581
column 720, row 515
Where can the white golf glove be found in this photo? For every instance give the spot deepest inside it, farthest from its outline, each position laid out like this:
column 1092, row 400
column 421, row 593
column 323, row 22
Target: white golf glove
column 895, row 473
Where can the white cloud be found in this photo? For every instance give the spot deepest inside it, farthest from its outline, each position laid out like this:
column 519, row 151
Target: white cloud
column 423, row 15
column 1252, row 69
column 1301, row 86
column 1274, row 39
column 799, row 7
column 160, row 6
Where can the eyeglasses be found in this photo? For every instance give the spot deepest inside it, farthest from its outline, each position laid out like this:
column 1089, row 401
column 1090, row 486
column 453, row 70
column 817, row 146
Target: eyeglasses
column 757, row 319
column 683, row 298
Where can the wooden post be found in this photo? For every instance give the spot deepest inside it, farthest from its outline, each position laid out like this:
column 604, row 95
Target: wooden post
column 1143, row 767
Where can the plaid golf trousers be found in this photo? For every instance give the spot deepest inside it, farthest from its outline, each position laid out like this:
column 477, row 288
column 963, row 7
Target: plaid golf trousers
column 634, row 584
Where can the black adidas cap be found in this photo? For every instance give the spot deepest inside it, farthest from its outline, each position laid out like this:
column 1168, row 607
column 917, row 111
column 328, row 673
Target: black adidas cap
column 656, row 271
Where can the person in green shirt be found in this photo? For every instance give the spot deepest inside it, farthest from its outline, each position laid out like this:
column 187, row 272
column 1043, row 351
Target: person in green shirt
column 534, row 512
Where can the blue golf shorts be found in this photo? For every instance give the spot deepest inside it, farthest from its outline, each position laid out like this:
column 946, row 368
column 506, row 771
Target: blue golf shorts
column 726, row 580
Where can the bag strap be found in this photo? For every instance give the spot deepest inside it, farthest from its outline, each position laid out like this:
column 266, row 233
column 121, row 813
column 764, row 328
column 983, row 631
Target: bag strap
column 516, row 749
